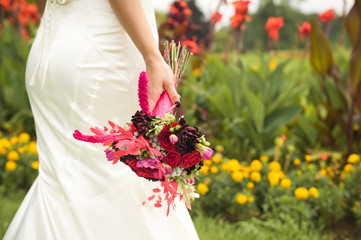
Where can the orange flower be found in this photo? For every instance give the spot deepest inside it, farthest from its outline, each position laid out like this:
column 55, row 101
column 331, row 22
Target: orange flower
column 194, row 48
column 327, row 16
column 273, row 26
column 304, row 30
column 241, row 7
column 216, row 17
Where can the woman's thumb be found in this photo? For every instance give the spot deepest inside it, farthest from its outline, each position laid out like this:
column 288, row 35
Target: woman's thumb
column 172, row 92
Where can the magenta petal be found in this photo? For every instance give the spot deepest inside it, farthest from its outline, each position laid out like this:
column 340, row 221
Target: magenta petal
column 163, row 105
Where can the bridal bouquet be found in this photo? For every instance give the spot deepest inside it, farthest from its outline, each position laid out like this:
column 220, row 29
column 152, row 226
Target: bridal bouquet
column 158, row 146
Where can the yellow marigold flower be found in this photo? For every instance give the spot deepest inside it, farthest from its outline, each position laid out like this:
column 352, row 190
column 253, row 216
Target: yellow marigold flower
column 308, row 158
column 301, row 193
column 264, row 158
column 233, row 165
column 2, row 150
column 21, row 150
column 342, row 184
column 250, row 199
column 297, row 162
column 281, row 174
column 353, row 158
column 246, row 174
column 348, row 168
column 323, row 172
column 13, row 156
column 241, row 198
column 286, row 183
column 214, row 170
column 216, row 158
column 272, row 64
column 250, row 185
column 273, row 178
column 356, row 127
column 237, row 176
column 14, row 140
column 299, row 172
column 35, row 165
column 256, row 176
column 247, row 169
column 256, row 165
column 204, row 169
column 10, row 166
column 202, row 188
column 32, row 148
column 311, row 166
column 274, row 166
column 313, row 192
column 207, row 162
column 6, row 143
column 24, row 137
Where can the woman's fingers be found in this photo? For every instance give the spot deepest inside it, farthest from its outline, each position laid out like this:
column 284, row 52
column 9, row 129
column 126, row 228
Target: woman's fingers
column 172, row 92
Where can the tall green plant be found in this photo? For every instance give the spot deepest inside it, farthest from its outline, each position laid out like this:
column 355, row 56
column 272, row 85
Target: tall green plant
column 15, row 112
column 341, row 95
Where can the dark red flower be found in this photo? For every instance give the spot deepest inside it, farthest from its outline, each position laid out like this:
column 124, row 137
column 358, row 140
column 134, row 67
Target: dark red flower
column 172, row 159
column 304, row 30
column 164, row 140
column 190, row 159
column 327, row 16
column 273, row 26
column 216, row 17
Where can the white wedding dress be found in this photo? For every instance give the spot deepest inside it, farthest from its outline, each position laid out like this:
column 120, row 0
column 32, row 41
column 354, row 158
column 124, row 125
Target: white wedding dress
column 82, row 71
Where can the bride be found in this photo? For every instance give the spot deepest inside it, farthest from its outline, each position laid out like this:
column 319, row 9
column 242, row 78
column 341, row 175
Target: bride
column 82, row 70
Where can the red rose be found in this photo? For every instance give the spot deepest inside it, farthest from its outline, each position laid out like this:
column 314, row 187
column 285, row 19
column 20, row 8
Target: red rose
column 190, row 159
column 147, row 173
column 164, row 141
column 172, row 159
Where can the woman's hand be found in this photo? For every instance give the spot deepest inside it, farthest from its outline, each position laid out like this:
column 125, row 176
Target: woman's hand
column 160, row 77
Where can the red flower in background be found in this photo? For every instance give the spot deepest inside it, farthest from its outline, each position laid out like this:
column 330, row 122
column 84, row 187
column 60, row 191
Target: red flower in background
column 273, row 26
column 304, row 30
column 193, row 46
column 327, row 16
column 216, row 17
column 241, row 7
column 18, row 13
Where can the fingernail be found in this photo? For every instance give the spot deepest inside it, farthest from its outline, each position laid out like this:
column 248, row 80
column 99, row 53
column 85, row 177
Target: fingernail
column 177, row 104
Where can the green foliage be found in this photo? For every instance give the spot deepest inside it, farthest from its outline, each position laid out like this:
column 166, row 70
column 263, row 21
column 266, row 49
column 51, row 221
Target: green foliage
column 15, row 112
column 8, row 206
column 246, row 106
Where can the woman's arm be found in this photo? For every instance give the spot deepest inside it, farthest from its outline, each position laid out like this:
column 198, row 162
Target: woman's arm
column 41, row 5
column 131, row 15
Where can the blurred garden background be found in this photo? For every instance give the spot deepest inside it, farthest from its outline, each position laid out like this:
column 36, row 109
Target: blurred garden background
column 278, row 93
